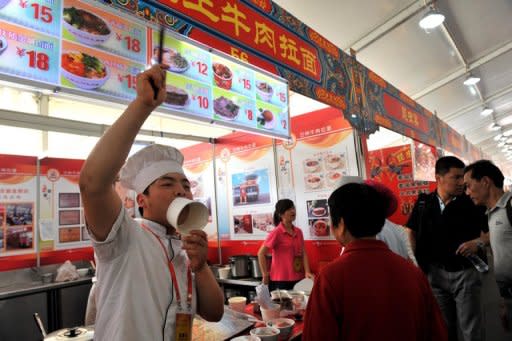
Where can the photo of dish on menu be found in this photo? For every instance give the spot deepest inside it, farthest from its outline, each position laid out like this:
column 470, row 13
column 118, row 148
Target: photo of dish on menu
column 270, row 117
column 83, row 70
column 232, row 77
column 270, row 91
column 319, row 227
column 317, row 208
column 97, row 26
column 228, row 106
column 324, row 170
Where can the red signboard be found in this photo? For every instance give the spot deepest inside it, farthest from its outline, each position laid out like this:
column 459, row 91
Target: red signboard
column 238, row 21
column 403, row 113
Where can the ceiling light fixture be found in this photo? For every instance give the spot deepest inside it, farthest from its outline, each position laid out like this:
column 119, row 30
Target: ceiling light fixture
column 432, row 19
column 471, row 80
column 486, row 112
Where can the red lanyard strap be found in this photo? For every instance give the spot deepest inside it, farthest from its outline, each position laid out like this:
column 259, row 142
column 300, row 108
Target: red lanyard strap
column 173, row 272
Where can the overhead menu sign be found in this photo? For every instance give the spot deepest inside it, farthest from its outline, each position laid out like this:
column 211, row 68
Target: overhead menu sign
column 218, row 88
column 92, row 49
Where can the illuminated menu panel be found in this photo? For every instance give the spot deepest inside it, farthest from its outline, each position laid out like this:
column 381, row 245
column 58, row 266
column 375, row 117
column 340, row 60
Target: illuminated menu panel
column 92, row 49
column 217, row 88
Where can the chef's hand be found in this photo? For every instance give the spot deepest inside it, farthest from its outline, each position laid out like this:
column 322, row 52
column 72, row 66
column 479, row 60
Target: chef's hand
column 150, row 81
column 310, row 275
column 196, row 246
column 265, row 279
column 467, row 248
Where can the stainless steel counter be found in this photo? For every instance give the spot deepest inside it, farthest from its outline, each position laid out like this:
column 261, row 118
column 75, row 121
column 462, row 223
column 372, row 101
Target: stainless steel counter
column 26, row 288
column 250, row 282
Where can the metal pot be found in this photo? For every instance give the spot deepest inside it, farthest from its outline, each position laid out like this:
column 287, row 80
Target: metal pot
column 75, row 333
column 255, row 267
column 239, row 266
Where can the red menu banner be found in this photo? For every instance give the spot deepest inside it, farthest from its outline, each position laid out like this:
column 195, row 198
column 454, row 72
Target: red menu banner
column 242, row 23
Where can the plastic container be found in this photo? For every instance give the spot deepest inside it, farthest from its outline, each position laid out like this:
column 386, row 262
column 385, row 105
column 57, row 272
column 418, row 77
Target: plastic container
column 271, row 313
column 224, row 272
column 478, row 263
column 237, row 303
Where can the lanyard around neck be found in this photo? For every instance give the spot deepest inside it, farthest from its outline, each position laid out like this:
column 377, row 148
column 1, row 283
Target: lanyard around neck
column 173, row 272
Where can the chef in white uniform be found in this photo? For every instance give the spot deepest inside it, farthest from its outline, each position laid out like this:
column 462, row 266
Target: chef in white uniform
column 152, row 282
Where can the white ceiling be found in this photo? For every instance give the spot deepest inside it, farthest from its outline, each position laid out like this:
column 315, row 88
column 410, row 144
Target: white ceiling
column 430, row 66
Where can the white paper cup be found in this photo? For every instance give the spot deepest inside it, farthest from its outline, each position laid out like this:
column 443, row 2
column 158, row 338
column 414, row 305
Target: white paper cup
column 271, row 313
column 237, row 303
column 186, row 215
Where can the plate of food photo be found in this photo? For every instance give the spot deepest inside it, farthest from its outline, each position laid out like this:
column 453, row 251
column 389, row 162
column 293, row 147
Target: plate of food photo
column 83, row 70
column 226, row 108
column 176, row 97
column 88, row 28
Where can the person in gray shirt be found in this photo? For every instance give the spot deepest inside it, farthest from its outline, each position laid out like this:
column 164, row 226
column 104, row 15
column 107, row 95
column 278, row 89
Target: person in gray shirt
column 484, row 185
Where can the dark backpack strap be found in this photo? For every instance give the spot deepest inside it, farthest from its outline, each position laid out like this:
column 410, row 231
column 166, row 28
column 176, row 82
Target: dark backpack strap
column 508, row 206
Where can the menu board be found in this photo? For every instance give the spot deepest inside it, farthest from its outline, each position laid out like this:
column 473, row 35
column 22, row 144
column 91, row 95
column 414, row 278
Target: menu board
column 92, row 49
column 217, row 89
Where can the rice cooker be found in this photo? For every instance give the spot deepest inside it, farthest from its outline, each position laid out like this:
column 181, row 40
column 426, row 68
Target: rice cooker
column 239, row 266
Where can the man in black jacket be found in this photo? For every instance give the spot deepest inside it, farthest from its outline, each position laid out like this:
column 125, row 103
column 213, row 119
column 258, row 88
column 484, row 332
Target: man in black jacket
column 446, row 228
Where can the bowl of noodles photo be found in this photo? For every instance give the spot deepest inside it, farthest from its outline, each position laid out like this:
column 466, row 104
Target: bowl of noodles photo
column 83, row 70
column 88, row 28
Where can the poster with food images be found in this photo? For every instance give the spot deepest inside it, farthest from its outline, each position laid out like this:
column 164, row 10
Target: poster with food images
column 18, row 190
column 95, row 26
column 63, row 223
column 311, row 165
column 89, row 69
column 40, row 16
column 251, row 193
column 28, row 54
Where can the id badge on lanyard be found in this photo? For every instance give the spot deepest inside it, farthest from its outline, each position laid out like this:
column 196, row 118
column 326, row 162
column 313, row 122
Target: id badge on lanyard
column 183, row 330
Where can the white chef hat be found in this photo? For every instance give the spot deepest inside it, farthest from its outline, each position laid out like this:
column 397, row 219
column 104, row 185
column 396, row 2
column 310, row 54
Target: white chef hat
column 148, row 164
column 349, row 179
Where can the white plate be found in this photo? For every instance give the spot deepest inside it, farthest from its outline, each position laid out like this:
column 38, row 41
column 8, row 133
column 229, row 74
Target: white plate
column 270, row 125
column 175, row 106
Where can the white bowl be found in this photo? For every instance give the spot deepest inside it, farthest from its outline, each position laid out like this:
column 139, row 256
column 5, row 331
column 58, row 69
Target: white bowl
column 85, row 37
column 4, row 3
column 266, row 333
column 265, row 96
column 284, row 325
column 83, row 82
column 246, row 338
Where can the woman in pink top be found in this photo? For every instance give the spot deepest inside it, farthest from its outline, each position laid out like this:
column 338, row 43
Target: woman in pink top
column 289, row 260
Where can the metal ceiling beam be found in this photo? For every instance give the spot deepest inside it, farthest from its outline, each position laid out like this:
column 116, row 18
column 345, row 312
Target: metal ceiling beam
column 462, row 111
column 462, row 71
column 61, row 125
column 399, row 18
